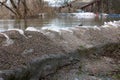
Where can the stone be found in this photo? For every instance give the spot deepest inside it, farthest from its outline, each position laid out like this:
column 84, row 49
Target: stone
column 2, row 38
column 1, row 79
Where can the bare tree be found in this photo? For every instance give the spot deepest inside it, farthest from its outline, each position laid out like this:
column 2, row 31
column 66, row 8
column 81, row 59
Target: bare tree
column 17, row 7
column 65, row 4
column 26, row 8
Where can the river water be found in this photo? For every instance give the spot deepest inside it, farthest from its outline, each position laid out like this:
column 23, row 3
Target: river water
column 50, row 22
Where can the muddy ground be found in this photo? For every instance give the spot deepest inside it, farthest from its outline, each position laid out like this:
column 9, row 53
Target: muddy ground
column 72, row 54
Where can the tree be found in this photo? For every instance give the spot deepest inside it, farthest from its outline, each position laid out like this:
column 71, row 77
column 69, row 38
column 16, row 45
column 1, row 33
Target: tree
column 111, row 6
column 65, row 4
column 17, row 7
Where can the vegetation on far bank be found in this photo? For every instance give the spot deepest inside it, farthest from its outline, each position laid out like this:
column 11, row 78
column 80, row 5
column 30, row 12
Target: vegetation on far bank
column 31, row 8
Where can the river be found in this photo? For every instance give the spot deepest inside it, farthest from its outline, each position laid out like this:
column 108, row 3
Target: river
column 50, row 22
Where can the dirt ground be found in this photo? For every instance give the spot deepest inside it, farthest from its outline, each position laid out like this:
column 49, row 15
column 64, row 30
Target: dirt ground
column 92, row 67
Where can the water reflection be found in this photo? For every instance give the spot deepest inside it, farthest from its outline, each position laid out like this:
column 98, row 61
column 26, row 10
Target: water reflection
column 51, row 22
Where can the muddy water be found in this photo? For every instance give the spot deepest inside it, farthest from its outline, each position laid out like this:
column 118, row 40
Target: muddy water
column 50, row 22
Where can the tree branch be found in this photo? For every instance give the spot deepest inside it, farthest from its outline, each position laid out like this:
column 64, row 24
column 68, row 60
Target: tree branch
column 3, row 4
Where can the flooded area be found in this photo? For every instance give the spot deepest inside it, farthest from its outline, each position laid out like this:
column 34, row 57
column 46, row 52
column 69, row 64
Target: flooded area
column 60, row 22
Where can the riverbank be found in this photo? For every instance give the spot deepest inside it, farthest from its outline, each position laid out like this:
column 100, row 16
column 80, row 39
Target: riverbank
column 102, row 63
column 37, row 53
